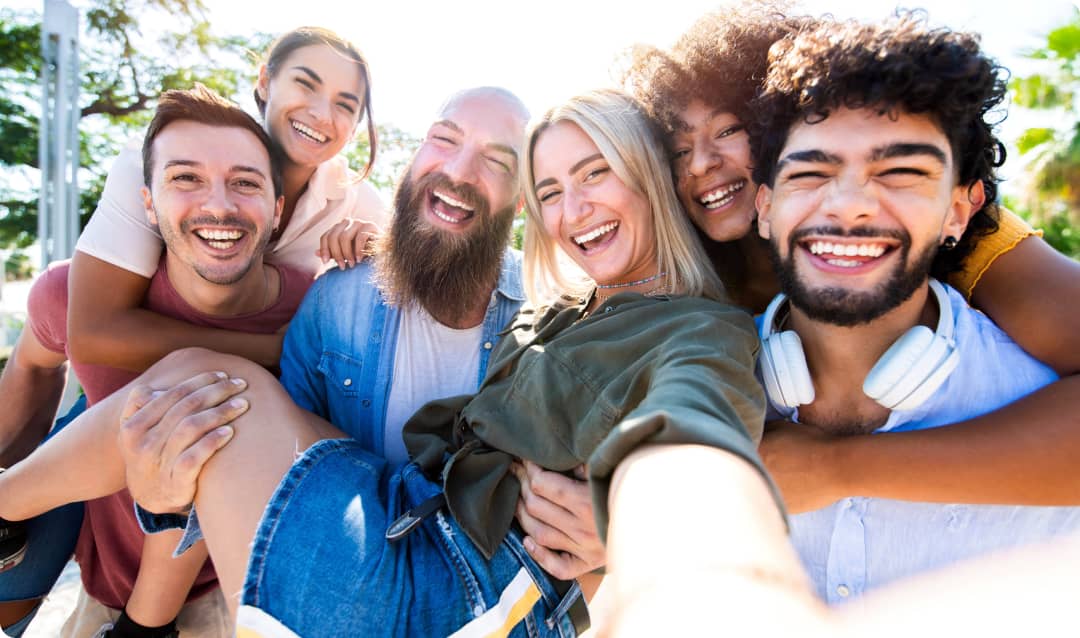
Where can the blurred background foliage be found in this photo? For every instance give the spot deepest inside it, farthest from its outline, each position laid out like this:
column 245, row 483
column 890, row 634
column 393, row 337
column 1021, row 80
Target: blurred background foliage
column 132, row 50
column 124, row 64
column 1050, row 196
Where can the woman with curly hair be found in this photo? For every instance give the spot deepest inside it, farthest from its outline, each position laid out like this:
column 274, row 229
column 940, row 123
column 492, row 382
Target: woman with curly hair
column 702, row 92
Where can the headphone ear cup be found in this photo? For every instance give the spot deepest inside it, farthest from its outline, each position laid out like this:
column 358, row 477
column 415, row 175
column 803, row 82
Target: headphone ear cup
column 783, row 366
column 885, row 383
column 932, row 382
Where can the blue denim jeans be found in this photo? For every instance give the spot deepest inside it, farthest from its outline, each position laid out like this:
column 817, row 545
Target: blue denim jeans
column 51, row 543
column 321, row 565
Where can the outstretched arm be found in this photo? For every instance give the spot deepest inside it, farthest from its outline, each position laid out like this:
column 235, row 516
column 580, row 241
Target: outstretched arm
column 107, row 326
column 678, row 565
column 732, row 567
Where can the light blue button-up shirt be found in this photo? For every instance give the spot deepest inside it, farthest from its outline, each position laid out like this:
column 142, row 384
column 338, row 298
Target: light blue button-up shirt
column 338, row 356
column 857, row 544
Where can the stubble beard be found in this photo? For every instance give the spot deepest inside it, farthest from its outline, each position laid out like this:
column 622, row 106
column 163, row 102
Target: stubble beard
column 220, row 277
column 847, row 308
column 450, row 275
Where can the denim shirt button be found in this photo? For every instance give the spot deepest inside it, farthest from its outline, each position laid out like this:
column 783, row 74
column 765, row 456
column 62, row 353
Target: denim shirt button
column 487, row 345
column 366, row 403
column 346, row 382
column 843, row 591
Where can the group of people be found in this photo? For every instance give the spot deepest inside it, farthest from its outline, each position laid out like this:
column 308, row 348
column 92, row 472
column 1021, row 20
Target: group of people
column 452, row 438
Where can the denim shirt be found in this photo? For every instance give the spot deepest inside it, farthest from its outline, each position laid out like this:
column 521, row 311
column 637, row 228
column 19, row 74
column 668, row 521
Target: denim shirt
column 338, row 356
column 338, row 359
column 860, row 543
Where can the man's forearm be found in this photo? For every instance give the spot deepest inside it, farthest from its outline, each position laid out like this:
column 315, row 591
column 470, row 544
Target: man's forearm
column 1023, row 454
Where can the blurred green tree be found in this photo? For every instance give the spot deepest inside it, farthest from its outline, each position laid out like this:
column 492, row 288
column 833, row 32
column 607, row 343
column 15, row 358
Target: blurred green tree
column 396, row 148
column 122, row 71
column 1054, row 151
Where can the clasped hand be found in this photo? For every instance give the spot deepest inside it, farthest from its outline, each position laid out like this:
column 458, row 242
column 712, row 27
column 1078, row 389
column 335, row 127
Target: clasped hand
column 167, row 436
column 556, row 513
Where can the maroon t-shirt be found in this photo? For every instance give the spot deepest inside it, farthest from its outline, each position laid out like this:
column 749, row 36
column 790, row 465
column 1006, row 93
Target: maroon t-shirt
column 110, row 541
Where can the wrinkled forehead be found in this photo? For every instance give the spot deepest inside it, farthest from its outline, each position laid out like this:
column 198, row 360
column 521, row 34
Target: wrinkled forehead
column 486, row 117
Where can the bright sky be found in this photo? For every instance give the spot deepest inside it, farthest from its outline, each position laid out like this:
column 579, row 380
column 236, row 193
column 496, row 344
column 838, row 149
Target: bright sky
column 549, row 49
column 546, row 50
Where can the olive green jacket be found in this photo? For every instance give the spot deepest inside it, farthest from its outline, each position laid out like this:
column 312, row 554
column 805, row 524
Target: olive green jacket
column 564, row 389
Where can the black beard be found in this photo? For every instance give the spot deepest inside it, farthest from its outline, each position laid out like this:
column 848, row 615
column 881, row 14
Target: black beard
column 847, row 308
column 450, row 275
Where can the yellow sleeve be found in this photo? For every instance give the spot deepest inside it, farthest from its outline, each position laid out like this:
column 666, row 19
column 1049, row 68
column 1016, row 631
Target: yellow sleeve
column 1012, row 229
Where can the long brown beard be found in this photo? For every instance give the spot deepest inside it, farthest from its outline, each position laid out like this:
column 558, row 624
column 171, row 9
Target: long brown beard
column 449, row 275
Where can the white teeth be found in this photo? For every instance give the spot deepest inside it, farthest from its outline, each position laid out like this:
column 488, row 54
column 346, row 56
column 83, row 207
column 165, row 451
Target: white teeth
column 307, row 131
column 221, row 245
column 445, row 218
column 453, row 202
column 219, row 235
column 722, row 196
column 843, row 263
column 581, row 240
column 847, row 250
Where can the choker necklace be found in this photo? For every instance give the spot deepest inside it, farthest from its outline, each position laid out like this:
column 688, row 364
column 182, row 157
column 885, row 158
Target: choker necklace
column 632, row 283
column 661, row 289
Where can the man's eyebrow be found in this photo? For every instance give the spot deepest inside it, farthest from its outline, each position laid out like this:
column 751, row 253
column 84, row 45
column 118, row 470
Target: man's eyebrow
column 240, row 168
column 504, row 148
column 180, row 162
column 450, row 124
column 573, row 169
column 816, row 156
column 501, row 148
column 908, row 149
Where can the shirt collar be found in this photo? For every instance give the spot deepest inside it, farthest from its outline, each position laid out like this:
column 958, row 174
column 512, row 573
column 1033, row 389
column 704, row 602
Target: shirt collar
column 329, row 182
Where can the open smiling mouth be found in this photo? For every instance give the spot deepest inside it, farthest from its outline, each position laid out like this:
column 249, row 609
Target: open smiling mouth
column 720, row 197
column 308, row 132
column 219, row 239
column 450, row 209
column 596, row 238
column 847, row 255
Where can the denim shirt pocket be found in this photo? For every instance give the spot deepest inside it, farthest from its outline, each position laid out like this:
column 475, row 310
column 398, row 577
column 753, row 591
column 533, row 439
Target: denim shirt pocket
column 342, row 374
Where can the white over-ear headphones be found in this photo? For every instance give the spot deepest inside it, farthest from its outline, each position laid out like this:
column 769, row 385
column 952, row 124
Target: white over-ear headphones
column 906, row 375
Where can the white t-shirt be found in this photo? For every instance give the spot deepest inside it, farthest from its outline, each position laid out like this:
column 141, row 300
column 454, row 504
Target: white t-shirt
column 119, row 233
column 431, row 361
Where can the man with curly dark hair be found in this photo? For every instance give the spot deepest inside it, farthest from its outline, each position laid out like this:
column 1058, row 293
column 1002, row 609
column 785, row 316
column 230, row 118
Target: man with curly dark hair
column 700, row 90
column 904, row 68
column 876, row 158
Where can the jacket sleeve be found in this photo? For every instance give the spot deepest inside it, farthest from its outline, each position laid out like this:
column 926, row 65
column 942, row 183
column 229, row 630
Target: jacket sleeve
column 701, row 391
